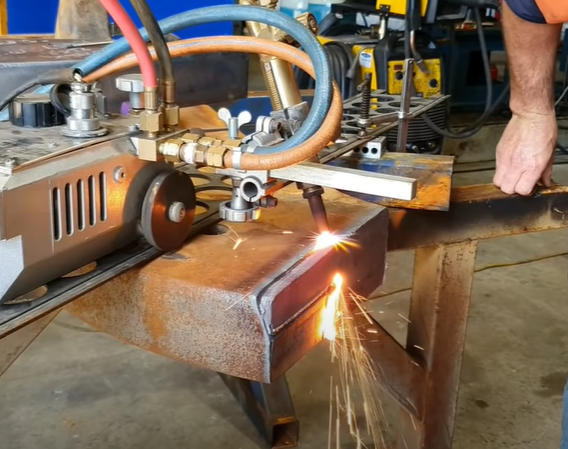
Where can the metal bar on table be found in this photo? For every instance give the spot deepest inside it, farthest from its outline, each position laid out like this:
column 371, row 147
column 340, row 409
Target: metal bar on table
column 443, row 278
column 15, row 344
column 349, row 179
column 269, row 407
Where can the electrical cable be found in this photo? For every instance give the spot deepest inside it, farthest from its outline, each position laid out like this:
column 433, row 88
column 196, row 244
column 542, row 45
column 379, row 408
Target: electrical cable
column 476, row 126
column 473, row 129
column 133, row 38
column 158, row 40
column 231, row 13
column 326, row 134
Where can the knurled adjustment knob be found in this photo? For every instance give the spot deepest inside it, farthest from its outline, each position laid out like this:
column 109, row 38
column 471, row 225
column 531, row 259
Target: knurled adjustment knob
column 34, row 111
column 134, row 85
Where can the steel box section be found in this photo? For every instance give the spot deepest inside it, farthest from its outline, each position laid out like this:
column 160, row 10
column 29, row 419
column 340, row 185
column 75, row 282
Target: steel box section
column 251, row 311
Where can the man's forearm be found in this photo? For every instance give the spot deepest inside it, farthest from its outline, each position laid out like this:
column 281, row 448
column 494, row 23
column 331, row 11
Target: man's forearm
column 531, row 54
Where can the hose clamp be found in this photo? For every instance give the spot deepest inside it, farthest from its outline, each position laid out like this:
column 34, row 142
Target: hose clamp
column 236, row 159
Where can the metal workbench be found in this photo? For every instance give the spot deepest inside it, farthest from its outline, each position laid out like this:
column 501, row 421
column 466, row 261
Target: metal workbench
column 425, row 381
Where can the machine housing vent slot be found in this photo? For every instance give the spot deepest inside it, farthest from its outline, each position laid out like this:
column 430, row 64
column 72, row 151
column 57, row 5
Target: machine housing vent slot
column 78, row 205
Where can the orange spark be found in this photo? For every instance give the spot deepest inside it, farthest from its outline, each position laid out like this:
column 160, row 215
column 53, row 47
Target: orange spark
column 329, row 325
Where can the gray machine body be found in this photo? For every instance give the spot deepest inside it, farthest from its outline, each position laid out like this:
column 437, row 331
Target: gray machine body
column 65, row 203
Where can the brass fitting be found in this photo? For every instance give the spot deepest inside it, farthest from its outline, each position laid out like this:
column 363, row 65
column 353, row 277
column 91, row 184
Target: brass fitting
column 171, row 116
column 194, row 149
column 215, row 155
column 151, row 122
column 151, row 119
column 169, row 92
column 171, row 150
column 309, row 21
column 151, row 99
column 190, row 138
column 148, row 150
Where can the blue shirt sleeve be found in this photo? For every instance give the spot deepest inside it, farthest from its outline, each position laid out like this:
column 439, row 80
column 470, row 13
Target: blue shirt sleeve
column 526, row 10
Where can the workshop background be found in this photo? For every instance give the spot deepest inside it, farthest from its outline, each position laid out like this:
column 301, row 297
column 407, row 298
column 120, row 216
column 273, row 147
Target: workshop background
column 78, row 388
column 22, row 22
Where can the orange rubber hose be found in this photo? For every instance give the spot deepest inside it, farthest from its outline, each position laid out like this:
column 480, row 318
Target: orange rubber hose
column 245, row 44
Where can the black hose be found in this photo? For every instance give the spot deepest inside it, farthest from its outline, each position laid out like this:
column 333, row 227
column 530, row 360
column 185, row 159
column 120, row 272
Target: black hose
column 476, row 126
column 157, row 38
column 327, row 23
column 340, row 61
column 17, row 92
column 341, row 58
column 59, row 96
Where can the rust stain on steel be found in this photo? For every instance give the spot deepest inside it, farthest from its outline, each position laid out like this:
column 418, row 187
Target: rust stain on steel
column 479, row 212
column 250, row 311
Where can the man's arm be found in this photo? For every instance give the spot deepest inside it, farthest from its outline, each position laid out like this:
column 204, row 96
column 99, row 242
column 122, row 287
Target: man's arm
column 525, row 152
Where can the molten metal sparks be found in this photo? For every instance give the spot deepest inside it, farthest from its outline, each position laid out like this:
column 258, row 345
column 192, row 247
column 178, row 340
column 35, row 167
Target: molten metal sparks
column 327, row 240
column 329, row 319
column 356, row 373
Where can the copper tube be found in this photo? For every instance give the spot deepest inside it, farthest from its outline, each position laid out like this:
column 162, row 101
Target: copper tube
column 246, row 44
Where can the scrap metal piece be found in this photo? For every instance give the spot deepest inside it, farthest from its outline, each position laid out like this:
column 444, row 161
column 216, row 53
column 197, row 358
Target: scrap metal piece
column 247, row 299
column 168, row 210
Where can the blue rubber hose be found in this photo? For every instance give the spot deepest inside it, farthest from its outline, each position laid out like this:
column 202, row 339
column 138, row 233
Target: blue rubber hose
column 240, row 13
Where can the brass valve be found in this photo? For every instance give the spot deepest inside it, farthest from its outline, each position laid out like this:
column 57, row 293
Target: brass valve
column 198, row 150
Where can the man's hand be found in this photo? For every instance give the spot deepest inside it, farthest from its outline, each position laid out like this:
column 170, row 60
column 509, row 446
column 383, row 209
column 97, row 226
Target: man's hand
column 525, row 153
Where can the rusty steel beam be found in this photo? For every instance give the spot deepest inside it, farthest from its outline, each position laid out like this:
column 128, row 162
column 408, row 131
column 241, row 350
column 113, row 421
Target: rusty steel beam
column 441, row 292
column 250, row 310
column 477, row 213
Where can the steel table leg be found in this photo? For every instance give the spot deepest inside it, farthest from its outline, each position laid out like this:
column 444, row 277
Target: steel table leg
column 269, row 407
column 441, row 291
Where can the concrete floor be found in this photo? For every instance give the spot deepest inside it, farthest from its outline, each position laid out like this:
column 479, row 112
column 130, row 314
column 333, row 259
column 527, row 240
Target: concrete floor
column 77, row 388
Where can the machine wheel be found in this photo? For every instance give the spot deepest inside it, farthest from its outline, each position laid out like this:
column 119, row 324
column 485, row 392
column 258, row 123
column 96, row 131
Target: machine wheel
column 168, row 210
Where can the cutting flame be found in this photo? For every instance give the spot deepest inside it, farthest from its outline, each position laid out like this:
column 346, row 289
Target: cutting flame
column 329, row 240
column 326, row 240
column 329, row 319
